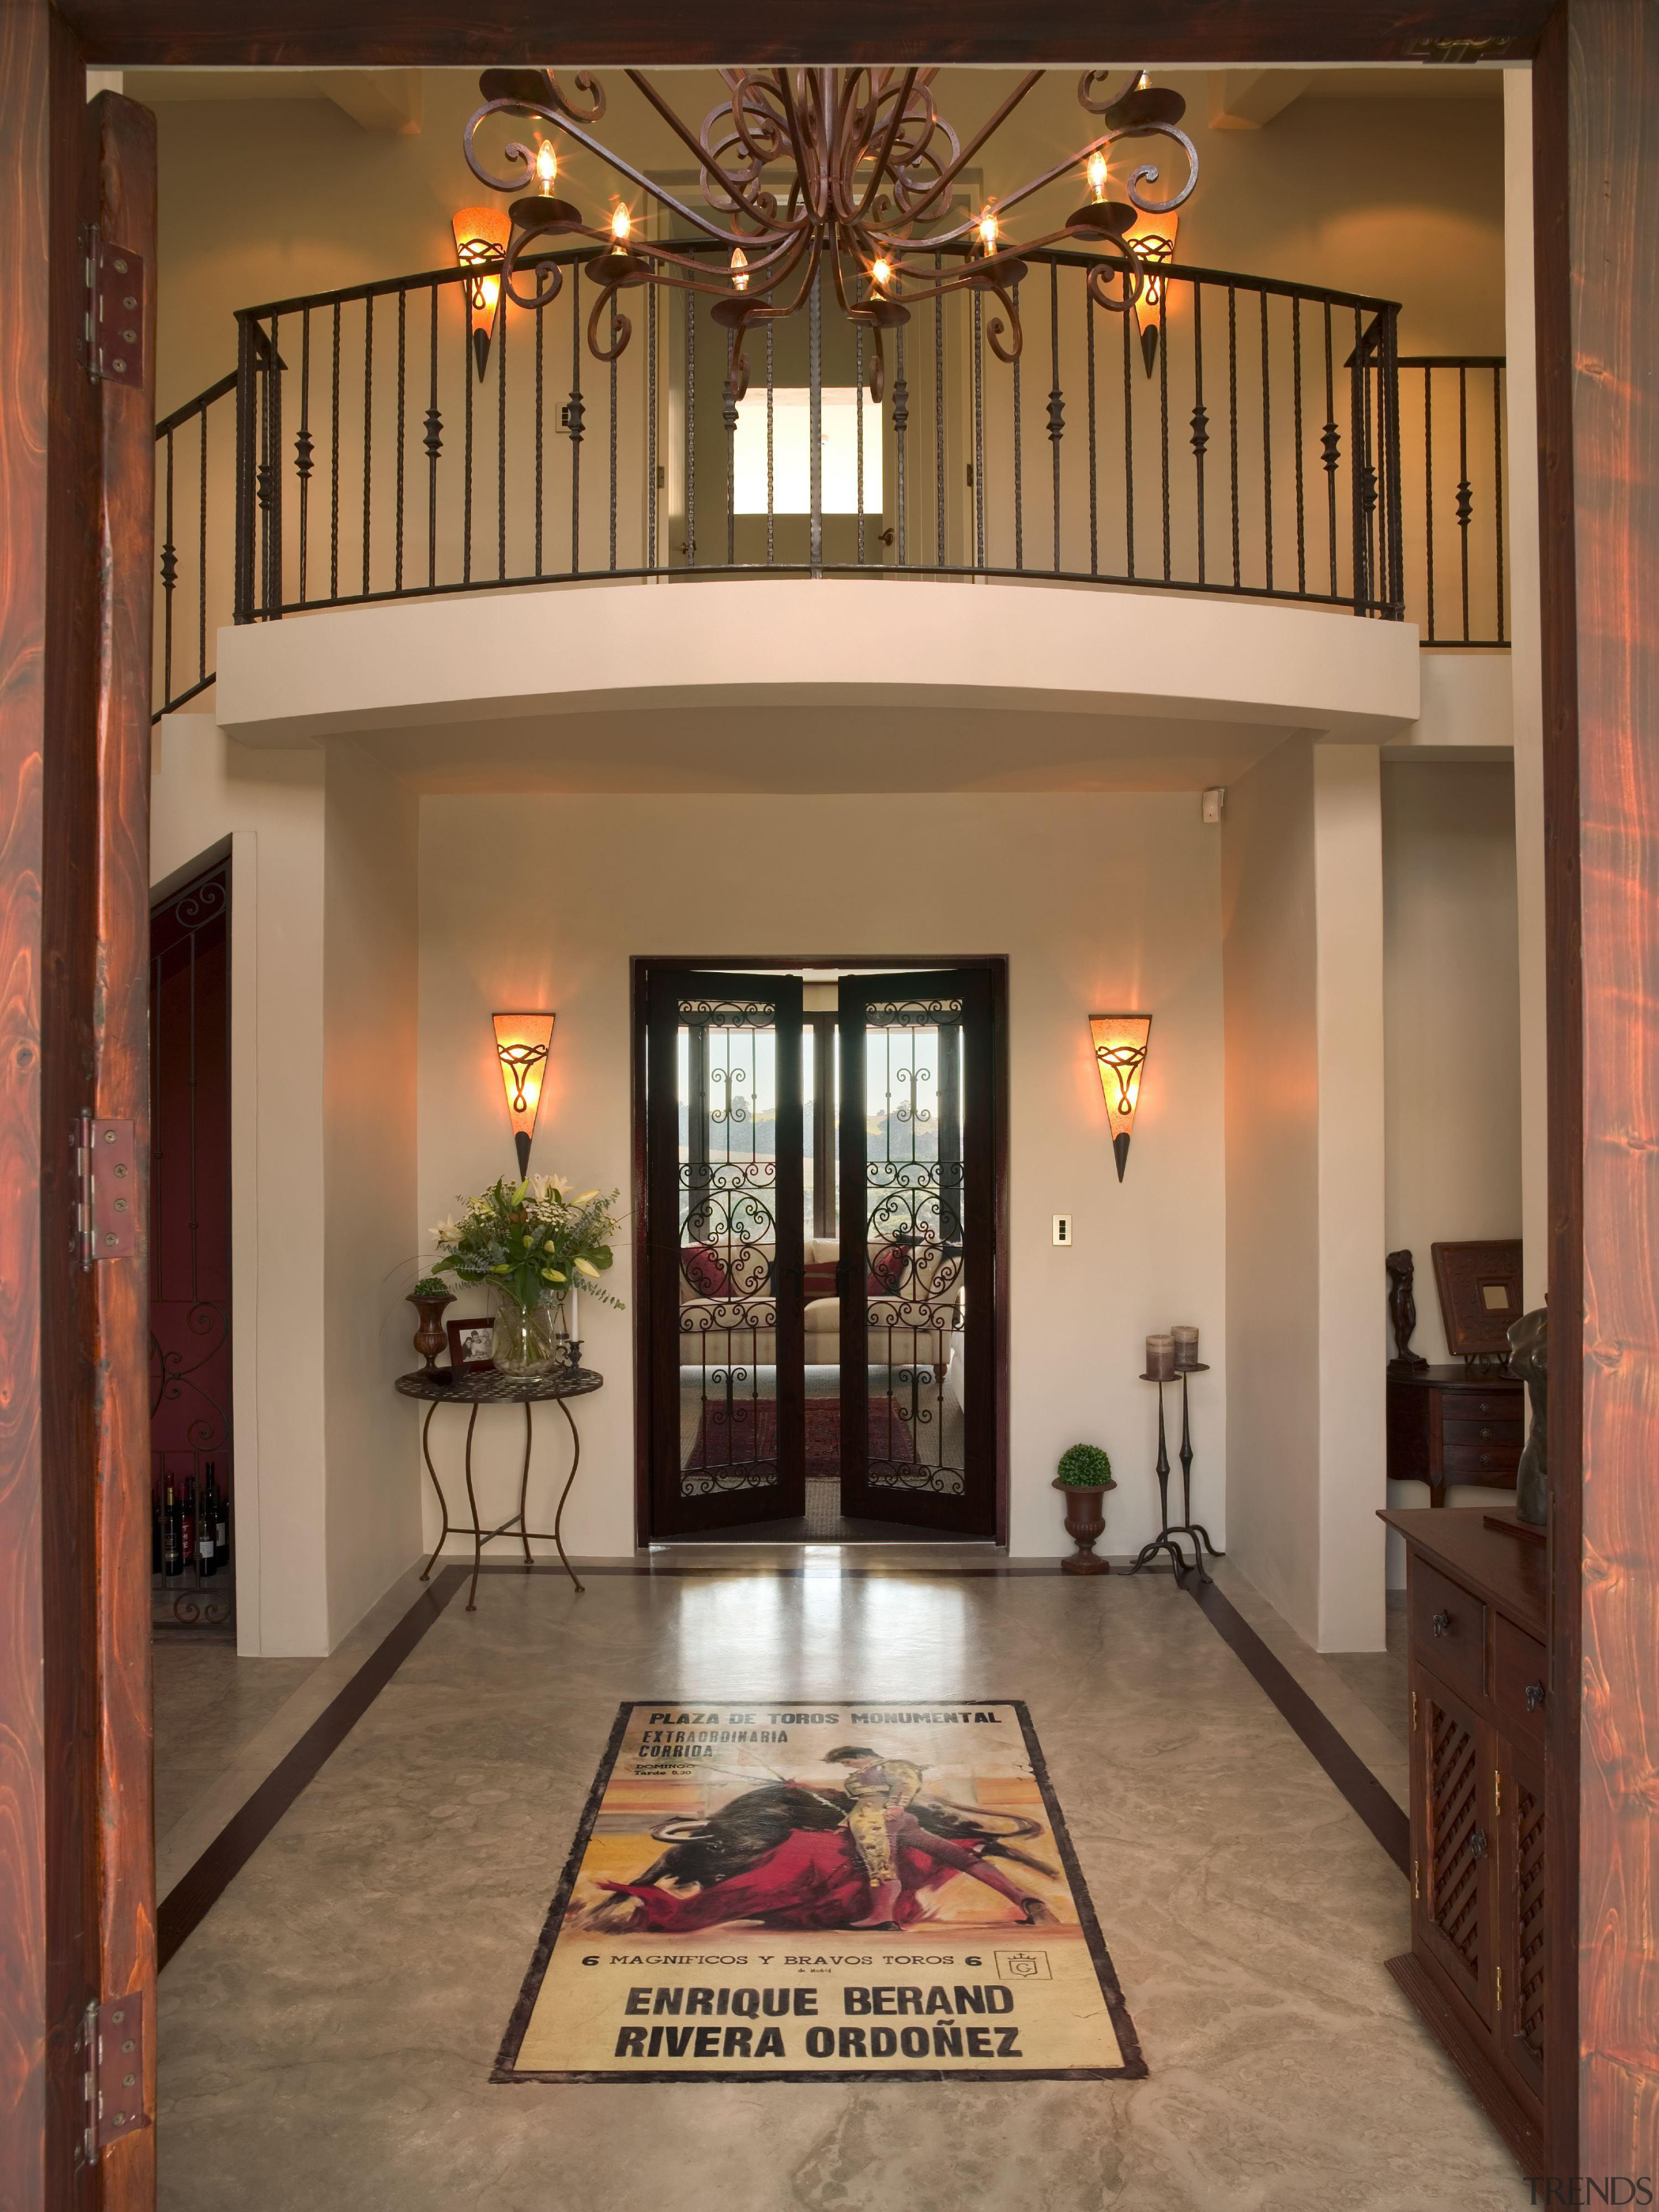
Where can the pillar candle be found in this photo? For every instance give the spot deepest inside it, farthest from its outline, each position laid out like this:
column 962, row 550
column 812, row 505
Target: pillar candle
column 1186, row 1345
column 1160, row 1357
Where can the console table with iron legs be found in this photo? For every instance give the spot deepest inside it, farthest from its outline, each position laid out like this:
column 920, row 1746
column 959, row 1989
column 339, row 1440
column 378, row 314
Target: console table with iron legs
column 490, row 1388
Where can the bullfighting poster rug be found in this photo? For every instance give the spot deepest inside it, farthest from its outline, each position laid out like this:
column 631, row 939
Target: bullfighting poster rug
column 847, row 1891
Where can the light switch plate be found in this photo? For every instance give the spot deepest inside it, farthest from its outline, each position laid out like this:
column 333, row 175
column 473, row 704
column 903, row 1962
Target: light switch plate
column 1062, row 1228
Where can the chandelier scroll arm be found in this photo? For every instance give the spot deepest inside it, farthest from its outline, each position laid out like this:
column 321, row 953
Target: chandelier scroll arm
column 919, row 212
column 1148, row 174
column 886, row 154
column 706, row 157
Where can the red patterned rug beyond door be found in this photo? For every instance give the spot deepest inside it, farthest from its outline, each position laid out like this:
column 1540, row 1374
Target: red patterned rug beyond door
column 745, row 1434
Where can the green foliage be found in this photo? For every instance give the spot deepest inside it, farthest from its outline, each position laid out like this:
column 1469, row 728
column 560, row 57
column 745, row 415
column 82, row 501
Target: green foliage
column 432, row 1287
column 1085, row 1466
column 530, row 1241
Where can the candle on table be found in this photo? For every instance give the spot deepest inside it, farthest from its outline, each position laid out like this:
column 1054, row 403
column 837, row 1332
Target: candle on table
column 1186, row 1345
column 1160, row 1357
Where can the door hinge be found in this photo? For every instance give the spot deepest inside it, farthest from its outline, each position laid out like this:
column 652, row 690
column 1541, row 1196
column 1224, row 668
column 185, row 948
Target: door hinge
column 115, row 312
column 1417, row 1884
column 1498, row 1997
column 1496, row 1795
column 112, row 2044
column 1413, row 1712
column 106, row 1189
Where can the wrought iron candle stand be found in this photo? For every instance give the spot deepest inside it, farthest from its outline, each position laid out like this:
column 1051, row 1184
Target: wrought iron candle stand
column 1165, row 1539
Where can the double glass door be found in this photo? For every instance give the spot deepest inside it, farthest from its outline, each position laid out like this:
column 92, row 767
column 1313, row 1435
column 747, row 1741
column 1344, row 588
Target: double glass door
column 821, row 1253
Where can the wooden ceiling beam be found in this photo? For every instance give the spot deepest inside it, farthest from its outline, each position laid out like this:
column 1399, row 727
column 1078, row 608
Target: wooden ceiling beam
column 433, row 34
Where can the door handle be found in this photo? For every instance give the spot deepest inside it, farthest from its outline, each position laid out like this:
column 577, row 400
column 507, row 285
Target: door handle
column 1442, row 1624
column 1478, row 1843
column 1534, row 1696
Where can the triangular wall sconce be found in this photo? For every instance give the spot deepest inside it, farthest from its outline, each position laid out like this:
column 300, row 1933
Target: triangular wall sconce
column 522, row 1042
column 1121, row 1041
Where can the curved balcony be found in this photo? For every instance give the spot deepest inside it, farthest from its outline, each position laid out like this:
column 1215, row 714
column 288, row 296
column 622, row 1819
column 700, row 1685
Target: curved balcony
column 1227, row 436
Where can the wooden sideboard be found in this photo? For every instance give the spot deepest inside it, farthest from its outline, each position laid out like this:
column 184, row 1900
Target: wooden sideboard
column 1478, row 1965
column 1446, row 1425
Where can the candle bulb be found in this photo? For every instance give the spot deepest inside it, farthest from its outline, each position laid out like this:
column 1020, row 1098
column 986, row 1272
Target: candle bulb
column 1186, row 1345
column 1160, row 1357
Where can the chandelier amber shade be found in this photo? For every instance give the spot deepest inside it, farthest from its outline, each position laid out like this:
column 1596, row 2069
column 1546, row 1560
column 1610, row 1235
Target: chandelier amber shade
column 522, row 1043
column 1120, row 1043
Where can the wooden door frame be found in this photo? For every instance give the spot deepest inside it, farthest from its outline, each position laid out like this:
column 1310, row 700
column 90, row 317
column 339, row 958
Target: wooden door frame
column 995, row 964
column 1594, row 90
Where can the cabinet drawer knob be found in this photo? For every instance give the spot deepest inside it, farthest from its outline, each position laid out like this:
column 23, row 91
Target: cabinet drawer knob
column 1478, row 1843
column 1442, row 1624
column 1534, row 1696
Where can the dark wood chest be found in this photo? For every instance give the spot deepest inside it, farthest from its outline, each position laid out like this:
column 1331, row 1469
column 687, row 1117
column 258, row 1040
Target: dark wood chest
column 1478, row 1969
column 1447, row 1426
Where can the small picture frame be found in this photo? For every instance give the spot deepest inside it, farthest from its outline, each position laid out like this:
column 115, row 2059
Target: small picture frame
column 471, row 1344
column 1480, row 1287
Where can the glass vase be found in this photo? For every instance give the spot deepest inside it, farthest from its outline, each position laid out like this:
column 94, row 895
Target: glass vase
column 527, row 1338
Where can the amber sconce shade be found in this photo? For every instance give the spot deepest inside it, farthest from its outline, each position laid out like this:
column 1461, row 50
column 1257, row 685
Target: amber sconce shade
column 1119, row 1041
column 481, row 239
column 1152, row 242
column 522, row 1042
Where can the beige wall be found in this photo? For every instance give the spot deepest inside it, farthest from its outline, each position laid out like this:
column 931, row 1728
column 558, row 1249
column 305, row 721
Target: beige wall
column 1099, row 902
column 1303, row 996
column 1453, row 1016
column 369, row 1110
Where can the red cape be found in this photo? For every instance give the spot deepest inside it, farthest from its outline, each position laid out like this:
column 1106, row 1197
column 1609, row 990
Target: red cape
column 814, row 1879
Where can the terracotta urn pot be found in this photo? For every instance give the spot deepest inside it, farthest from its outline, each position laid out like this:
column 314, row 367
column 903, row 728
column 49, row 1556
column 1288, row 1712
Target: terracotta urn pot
column 1086, row 1523
column 430, row 1338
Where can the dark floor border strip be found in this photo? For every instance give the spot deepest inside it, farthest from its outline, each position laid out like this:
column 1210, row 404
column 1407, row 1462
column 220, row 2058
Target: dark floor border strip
column 589, row 1567
column 182, row 1910
column 1341, row 1762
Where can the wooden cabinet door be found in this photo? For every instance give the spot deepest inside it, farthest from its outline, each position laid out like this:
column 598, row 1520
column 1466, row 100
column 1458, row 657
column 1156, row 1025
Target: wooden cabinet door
column 1452, row 1829
column 1521, row 1945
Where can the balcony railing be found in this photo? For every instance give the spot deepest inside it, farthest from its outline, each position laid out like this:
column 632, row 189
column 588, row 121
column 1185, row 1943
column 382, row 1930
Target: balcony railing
column 1234, row 435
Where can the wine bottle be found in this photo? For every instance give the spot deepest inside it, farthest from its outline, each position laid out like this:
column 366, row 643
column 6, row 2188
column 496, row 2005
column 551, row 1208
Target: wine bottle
column 155, row 1527
column 187, row 1518
column 221, row 1528
column 205, row 1546
column 173, row 1557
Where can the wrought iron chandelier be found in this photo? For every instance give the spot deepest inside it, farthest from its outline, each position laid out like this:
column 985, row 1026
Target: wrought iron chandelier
column 805, row 169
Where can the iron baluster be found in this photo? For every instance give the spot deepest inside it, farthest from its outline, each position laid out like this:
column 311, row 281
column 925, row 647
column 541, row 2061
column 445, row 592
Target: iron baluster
column 169, row 572
column 1497, row 486
column 433, row 443
column 1020, row 434
column 901, row 425
column 1357, row 468
column 938, row 407
column 1266, row 452
column 302, row 448
column 1200, row 419
column 1232, row 417
column 1330, row 442
column 1389, row 402
column 541, row 428
column 815, row 420
column 403, row 362
column 611, row 343
column 270, row 489
column 202, row 558
column 1094, row 484
column 1465, row 495
column 729, row 418
column 690, row 548
column 651, row 374
column 1428, row 486
column 467, row 358
column 1300, row 509
column 575, row 412
column 978, row 368
column 499, row 349
column 1164, row 420
column 1056, row 396
column 1129, row 448
column 771, row 512
column 858, row 420
column 368, row 428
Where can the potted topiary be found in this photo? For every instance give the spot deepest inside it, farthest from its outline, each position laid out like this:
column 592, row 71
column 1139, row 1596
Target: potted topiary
column 1083, row 1478
column 428, row 1298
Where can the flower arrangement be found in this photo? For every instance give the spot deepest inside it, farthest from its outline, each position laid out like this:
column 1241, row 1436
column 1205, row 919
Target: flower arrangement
column 1085, row 1466
column 531, row 1241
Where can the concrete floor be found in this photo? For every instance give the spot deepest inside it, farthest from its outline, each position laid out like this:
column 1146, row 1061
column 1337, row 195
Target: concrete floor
column 326, row 2034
